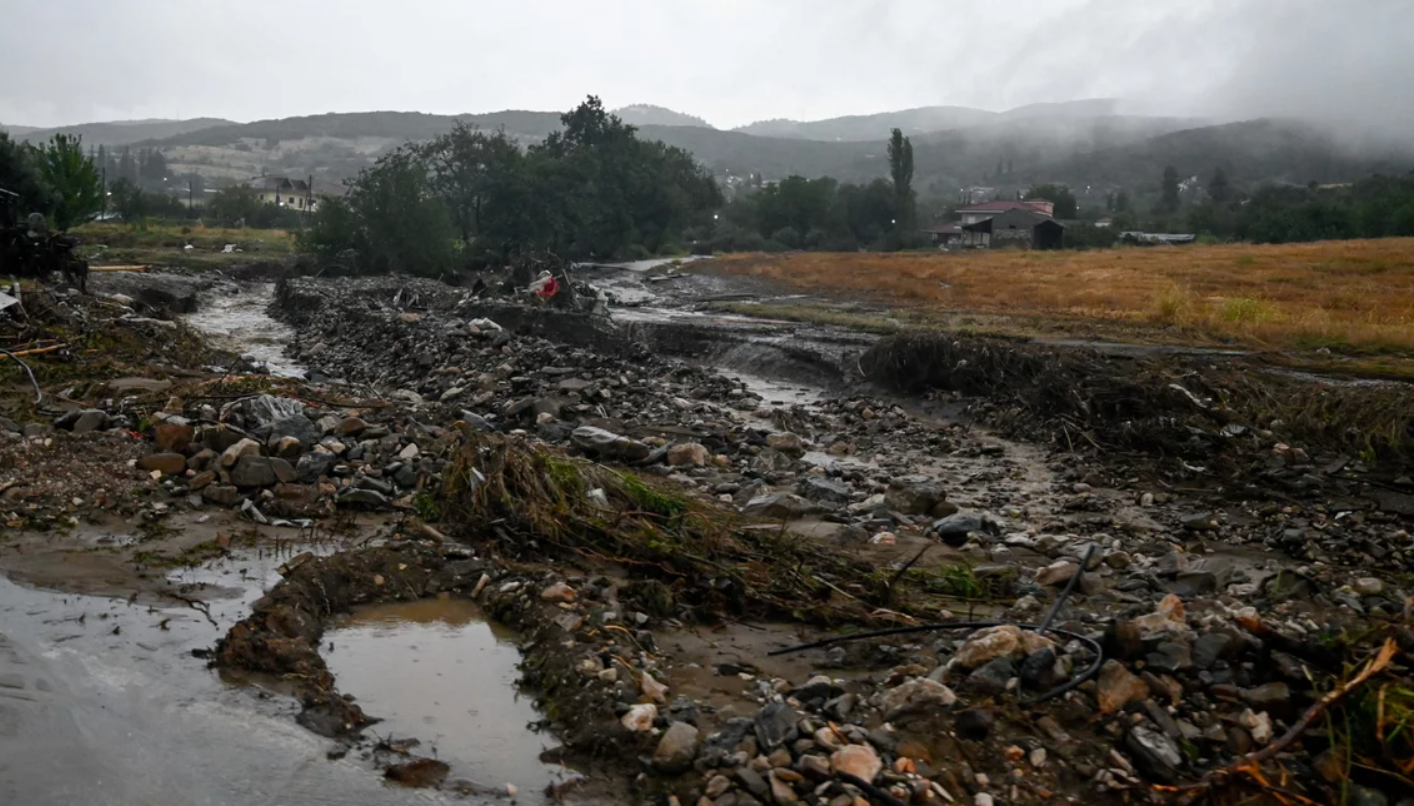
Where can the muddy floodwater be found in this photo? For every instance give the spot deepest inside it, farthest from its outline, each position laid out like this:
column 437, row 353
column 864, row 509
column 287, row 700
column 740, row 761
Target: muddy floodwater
column 102, row 702
column 437, row 671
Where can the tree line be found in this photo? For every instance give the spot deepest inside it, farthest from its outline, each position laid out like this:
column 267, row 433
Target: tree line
column 823, row 213
column 591, row 190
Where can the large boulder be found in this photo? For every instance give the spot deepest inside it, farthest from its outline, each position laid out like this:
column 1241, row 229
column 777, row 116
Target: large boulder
column 914, row 495
column 783, row 506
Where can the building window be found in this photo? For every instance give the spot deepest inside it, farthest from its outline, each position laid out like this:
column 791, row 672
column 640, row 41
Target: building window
column 292, row 200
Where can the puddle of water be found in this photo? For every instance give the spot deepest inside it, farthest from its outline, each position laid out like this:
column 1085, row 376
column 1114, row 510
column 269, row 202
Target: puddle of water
column 777, row 393
column 436, row 671
column 236, row 320
column 110, row 708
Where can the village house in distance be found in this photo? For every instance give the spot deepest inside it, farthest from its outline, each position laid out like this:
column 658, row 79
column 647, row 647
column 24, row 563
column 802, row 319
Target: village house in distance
column 297, row 194
column 1029, row 223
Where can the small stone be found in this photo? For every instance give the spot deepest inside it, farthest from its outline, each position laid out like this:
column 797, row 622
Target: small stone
column 245, row 447
column 1155, row 754
column 640, row 717
column 172, row 437
column 653, row 689
column 992, row 677
column 787, row 443
column 781, row 792
column 171, row 464
column 1006, row 640
column 558, row 592
column 859, row 760
column 813, row 766
column 1038, row 757
column 1118, row 687
column 974, row 723
column 1209, row 648
column 775, row 725
column 200, row 481
column 1268, row 696
column 677, row 749
column 718, row 785
column 688, row 454
column 914, row 696
column 1056, row 574
column 1368, row 586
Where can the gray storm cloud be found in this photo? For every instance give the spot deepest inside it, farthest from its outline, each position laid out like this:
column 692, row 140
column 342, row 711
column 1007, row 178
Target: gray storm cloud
column 729, row 61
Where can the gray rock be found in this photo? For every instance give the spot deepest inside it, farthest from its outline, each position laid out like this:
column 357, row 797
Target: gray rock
column 84, row 421
column 295, row 425
column 771, row 460
column 1170, row 656
column 1154, row 753
column 1267, row 697
column 405, row 477
column 816, row 488
column 677, row 749
column 955, row 529
column 753, row 782
column 1038, row 671
column 9, row 426
column 261, row 471
column 914, row 495
column 362, row 499
column 376, row 485
column 1193, row 584
column 780, row 505
column 974, row 723
column 313, row 465
column 992, row 677
column 224, row 495
column 608, row 445
column 775, row 725
column 1209, row 648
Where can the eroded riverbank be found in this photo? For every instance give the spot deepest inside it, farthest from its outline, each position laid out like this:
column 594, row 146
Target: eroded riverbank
column 777, row 504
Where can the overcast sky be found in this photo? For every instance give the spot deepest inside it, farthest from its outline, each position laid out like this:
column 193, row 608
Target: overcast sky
column 729, row 61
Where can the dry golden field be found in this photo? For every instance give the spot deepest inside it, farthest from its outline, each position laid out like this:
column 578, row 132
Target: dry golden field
column 1349, row 296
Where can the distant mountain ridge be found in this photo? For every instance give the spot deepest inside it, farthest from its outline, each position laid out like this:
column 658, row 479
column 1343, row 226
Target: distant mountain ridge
column 117, row 132
column 921, row 120
column 650, row 115
column 1083, row 144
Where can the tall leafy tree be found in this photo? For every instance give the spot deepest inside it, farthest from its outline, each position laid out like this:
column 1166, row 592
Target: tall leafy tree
column 129, row 202
column 467, row 168
column 20, row 174
column 1218, row 188
column 901, row 170
column 73, row 180
column 1168, row 191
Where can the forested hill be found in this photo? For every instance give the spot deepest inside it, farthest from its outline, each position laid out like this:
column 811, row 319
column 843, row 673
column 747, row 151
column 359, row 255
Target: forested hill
column 117, row 132
column 1046, row 143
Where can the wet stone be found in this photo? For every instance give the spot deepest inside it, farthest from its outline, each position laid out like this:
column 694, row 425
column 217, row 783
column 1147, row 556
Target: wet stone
column 1170, row 656
column 974, row 723
column 1209, row 648
column 170, row 464
column 992, row 677
column 775, row 725
column 1038, row 670
column 1154, row 753
column 677, row 749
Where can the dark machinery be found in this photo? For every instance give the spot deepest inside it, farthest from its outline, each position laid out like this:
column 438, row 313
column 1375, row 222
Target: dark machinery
column 29, row 249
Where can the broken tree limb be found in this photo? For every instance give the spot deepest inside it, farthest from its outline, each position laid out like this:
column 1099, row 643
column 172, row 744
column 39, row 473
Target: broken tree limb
column 118, row 268
column 33, row 351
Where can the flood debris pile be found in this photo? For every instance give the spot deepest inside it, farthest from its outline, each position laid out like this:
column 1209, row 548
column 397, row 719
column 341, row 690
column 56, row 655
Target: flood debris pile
column 1190, row 407
column 691, row 557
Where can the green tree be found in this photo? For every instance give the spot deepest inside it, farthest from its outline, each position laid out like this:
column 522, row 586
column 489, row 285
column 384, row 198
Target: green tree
column 72, row 179
column 127, row 167
column 464, row 167
column 1121, row 202
column 129, row 202
column 1218, row 189
column 1066, row 205
column 901, row 170
column 20, row 174
column 391, row 220
column 235, row 203
column 1168, row 193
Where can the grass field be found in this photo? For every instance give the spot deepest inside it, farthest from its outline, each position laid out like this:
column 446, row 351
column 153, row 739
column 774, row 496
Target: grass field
column 1353, row 297
column 176, row 236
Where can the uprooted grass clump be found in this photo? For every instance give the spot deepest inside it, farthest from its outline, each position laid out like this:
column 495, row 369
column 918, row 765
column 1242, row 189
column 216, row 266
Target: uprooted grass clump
column 1162, row 404
column 532, row 502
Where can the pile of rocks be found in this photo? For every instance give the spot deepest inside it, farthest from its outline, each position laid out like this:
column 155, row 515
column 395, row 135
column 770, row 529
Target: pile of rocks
column 282, row 457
